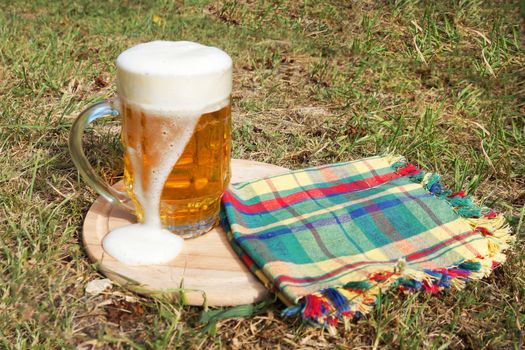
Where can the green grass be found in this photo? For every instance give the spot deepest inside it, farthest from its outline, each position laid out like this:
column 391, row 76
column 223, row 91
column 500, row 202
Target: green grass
column 314, row 82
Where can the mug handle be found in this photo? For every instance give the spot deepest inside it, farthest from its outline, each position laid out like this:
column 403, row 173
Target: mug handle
column 99, row 110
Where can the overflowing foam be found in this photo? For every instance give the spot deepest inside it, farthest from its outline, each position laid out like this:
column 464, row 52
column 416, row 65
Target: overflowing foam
column 179, row 77
column 172, row 136
column 178, row 81
column 139, row 244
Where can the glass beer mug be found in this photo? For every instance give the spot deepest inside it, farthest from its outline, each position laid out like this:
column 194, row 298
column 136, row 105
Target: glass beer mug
column 174, row 102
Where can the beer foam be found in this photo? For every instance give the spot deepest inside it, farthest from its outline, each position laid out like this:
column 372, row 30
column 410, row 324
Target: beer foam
column 181, row 81
column 175, row 77
column 140, row 244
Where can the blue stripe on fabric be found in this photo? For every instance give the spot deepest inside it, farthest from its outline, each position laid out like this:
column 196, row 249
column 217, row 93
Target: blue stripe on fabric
column 358, row 193
column 353, row 214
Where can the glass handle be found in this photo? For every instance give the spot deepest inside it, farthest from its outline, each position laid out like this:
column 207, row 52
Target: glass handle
column 89, row 115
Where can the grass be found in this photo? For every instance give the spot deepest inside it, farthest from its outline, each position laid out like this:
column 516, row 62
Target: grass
column 314, row 82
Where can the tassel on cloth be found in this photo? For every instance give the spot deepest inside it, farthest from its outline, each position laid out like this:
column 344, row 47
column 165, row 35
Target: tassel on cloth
column 334, row 304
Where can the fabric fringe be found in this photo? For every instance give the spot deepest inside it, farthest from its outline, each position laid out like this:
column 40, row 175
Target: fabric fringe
column 354, row 299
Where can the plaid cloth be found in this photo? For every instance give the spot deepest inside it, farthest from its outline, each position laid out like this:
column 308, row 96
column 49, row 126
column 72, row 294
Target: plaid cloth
column 328, row 239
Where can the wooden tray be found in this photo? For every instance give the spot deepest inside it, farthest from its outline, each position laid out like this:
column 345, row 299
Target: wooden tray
column 207, row 264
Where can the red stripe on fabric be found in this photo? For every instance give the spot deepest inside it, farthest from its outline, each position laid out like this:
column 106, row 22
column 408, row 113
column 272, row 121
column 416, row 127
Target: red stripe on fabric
column 278, row 203
column 411, row 257
column 284, row 278
column 422, row 253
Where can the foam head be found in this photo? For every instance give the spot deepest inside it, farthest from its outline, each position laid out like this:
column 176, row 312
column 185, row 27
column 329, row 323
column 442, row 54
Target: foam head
column 174, row 76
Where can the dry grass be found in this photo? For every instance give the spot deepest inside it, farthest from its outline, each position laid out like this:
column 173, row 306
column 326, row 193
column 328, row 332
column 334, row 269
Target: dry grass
column 315, row 82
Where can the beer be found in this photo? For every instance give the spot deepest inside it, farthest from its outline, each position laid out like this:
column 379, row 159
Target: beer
column 190, row 198
column 175, row 107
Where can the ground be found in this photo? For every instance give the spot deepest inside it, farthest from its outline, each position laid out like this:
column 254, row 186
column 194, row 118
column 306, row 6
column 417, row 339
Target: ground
column 441, row 82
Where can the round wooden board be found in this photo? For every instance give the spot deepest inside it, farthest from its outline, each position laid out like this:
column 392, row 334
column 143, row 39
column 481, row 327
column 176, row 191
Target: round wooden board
column 207, row 264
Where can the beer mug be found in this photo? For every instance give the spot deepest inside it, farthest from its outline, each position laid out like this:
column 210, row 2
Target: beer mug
column 174, row 102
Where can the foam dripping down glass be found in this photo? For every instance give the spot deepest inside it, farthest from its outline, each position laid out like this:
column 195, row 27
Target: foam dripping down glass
column 174, row 101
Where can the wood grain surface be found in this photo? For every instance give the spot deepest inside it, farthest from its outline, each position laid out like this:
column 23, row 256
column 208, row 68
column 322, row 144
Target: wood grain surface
column 206, row 268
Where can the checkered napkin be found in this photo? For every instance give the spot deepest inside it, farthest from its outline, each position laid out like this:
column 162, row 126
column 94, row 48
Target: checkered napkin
column 329, row 239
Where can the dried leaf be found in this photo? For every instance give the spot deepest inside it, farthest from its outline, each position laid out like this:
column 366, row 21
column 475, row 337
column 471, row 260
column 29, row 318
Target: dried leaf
column 96, row 287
